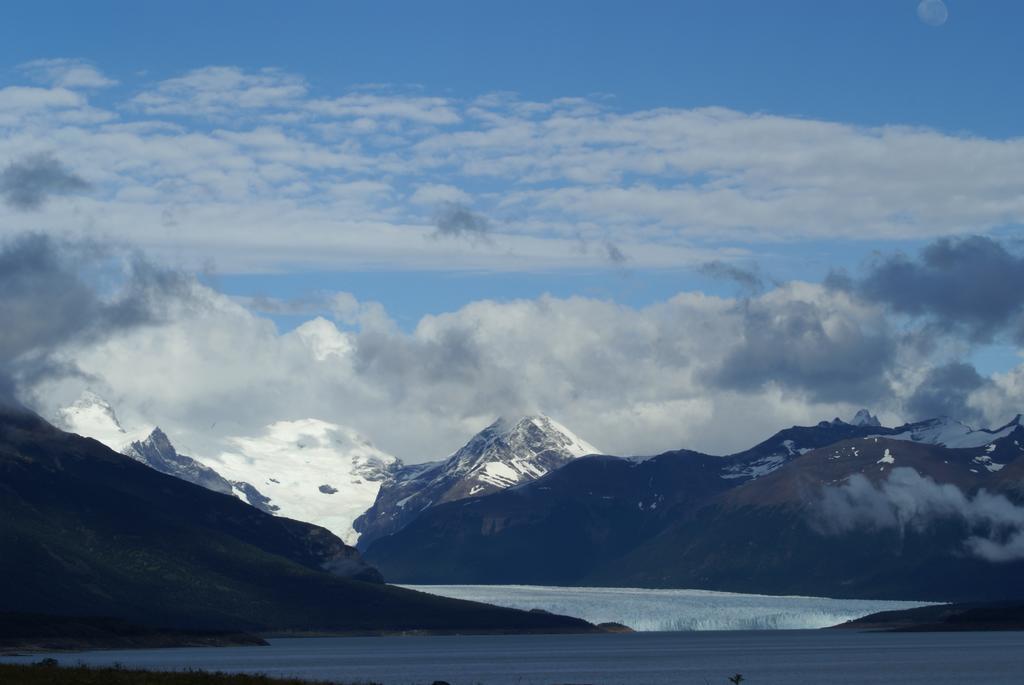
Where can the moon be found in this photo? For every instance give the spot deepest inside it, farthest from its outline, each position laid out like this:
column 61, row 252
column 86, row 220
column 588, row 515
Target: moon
column 932, row 12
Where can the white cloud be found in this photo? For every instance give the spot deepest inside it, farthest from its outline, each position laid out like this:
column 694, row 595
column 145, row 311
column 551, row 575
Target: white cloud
column 434, row 194
column 907, row 501
column 67, row 73
column 265, row 152
column 631, row 380
column 221, row 90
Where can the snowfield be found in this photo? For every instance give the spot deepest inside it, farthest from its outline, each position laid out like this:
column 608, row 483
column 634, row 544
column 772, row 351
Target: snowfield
column 311, row 470
column 673, row 610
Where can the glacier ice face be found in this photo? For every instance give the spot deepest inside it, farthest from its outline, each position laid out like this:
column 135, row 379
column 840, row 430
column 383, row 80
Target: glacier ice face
column 673, row 610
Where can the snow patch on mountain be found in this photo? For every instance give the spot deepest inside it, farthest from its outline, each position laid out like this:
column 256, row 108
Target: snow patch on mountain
column 92, row 417
column 952, row 433
column 310, row 470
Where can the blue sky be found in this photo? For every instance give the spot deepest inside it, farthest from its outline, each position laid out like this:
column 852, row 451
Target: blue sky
column 316, row 158
column 862, row 63
column 870, row 62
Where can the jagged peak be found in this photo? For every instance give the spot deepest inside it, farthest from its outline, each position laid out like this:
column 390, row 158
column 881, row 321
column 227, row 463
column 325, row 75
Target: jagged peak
column 865, row 418
column 89, row 401
column 157, row 438
column 510, row 429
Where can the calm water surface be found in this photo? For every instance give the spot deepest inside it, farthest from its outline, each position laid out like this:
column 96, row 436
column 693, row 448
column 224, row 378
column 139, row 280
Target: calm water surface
column 764, row 658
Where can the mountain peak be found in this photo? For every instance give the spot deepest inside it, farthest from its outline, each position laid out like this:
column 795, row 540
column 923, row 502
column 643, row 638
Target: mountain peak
column 865, row 418
column 158, row 440
column 508, row 452
column 93, row 417
column 536, row 432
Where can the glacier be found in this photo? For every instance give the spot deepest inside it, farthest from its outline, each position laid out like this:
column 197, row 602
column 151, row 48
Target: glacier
column 673, row 610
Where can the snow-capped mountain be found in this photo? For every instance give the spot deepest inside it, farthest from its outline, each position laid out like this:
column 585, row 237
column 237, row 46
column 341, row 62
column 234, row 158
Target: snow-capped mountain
column 865, row 418
column 786, row 445
column 673, row 520
column 93, row 417
column 308, row 470
column 157, row 452
column 951, row 433
column 504, row 454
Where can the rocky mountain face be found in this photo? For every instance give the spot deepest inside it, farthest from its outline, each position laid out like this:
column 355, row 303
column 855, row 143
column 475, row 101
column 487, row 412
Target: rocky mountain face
column 86, row 531
column 505, row 454
column 838, row 509
column 157, row 452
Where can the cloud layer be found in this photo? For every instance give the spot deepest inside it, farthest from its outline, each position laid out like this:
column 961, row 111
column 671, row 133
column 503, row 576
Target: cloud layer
column 907, row 501
column 710, row 373
column 48, row 302
column 260, row 169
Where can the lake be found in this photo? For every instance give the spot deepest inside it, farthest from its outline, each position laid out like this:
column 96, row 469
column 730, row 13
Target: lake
column 669, row 610
column 682, row 658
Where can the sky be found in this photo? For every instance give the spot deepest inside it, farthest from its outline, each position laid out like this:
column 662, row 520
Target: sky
column 652, row 220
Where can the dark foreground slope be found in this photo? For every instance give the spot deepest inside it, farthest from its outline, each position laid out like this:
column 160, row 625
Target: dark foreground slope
column 38, row 633
column 944, row 617
column 51, row 674
column 85, row 531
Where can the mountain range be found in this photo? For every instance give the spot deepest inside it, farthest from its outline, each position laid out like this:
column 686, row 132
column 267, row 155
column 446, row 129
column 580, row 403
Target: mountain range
column 926, row 511
column 819, row 509
column 330, row 475
column 87, row 531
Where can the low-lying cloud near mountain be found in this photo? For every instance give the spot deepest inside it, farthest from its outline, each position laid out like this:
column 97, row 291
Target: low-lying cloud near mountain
column 907, row 501
column 48, row 303
column 710, row 373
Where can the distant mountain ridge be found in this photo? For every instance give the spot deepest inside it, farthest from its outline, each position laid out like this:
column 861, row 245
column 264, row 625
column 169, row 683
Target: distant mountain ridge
column 504, row 454
column 749, row 522
column 521, row 502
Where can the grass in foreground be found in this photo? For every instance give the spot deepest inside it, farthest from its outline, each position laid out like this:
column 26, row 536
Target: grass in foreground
column 48, row 673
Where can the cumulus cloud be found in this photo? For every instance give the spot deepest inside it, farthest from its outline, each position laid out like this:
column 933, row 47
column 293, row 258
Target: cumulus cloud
column 633, row 380
column 946, row 391
column 805, row 339
column 26, row 183
column 972, row 285
column 46, row 304
column 67, row 73
column 907, row 501
column 219, row 90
